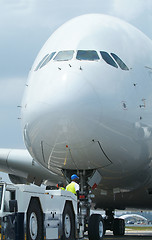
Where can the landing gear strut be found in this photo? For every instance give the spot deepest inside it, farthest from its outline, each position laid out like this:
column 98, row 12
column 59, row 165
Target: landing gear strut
column 94, row 224
column 84, row 204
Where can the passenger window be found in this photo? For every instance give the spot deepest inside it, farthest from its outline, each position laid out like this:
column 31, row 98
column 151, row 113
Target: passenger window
column 41, row 62
column 64, row 56
column 106, row 57
column 89, row 55
column 47, row 59
column 121, row 64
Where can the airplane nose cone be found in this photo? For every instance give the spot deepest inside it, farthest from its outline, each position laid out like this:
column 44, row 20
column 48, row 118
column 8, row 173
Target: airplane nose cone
column 63, row 116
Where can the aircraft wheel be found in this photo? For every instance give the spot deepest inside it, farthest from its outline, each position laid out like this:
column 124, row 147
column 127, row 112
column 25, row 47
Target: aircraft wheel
column 119, row 227
column 34, row 221
column 68, row 223
column 96, row 227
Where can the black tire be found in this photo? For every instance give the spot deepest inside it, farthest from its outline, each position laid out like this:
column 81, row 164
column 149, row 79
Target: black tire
column 119, row 227
column 68, row 219
column 34, row 222
column 96, row 227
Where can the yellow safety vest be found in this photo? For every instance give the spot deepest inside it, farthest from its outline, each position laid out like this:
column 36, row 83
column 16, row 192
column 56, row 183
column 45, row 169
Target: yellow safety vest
column 71, row 187
column 62, row 188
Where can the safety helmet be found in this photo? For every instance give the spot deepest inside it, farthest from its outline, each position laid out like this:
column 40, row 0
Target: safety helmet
column 74, row 176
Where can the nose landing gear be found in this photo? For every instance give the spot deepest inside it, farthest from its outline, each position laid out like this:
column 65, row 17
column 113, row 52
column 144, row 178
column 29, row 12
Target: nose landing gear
column 94, row 224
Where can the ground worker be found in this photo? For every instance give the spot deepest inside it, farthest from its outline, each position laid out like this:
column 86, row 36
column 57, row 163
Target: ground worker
column 74, row 186
column 61, row 185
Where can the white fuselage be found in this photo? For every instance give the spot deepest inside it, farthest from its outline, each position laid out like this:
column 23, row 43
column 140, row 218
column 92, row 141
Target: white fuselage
column 88, row 114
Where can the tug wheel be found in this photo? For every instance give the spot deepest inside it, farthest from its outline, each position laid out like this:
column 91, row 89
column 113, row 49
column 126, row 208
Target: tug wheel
column 34, row 223
column 68, row 223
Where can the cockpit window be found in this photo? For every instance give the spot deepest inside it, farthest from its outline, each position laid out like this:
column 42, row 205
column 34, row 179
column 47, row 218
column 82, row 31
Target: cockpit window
column 83, row 55
column 64, row 56
column 89, row 55
column 106, row 57
column 41, row 62
column 47, row 59
column 121, row 64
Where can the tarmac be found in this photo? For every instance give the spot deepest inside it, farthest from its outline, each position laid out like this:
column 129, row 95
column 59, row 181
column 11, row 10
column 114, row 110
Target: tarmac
column 130, row 235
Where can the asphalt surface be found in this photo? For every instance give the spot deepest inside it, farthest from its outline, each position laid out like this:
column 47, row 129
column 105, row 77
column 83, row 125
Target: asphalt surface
column 128, row 237
column 131, row 235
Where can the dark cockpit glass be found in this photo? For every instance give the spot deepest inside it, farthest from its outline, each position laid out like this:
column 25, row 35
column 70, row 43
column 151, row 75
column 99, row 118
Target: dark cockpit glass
column 106, row 57
column 64, row 56
column 47, row 59
column 41, row 62
column 89, row 55
column 121, row 64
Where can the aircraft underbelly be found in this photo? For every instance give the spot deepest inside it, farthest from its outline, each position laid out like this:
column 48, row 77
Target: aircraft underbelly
column 121, row 200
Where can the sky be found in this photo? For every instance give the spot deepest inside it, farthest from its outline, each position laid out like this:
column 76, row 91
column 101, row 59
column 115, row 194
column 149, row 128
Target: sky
column 25, row 25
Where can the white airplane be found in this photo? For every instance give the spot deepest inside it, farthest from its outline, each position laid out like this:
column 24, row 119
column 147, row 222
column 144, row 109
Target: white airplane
column 88, row 106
